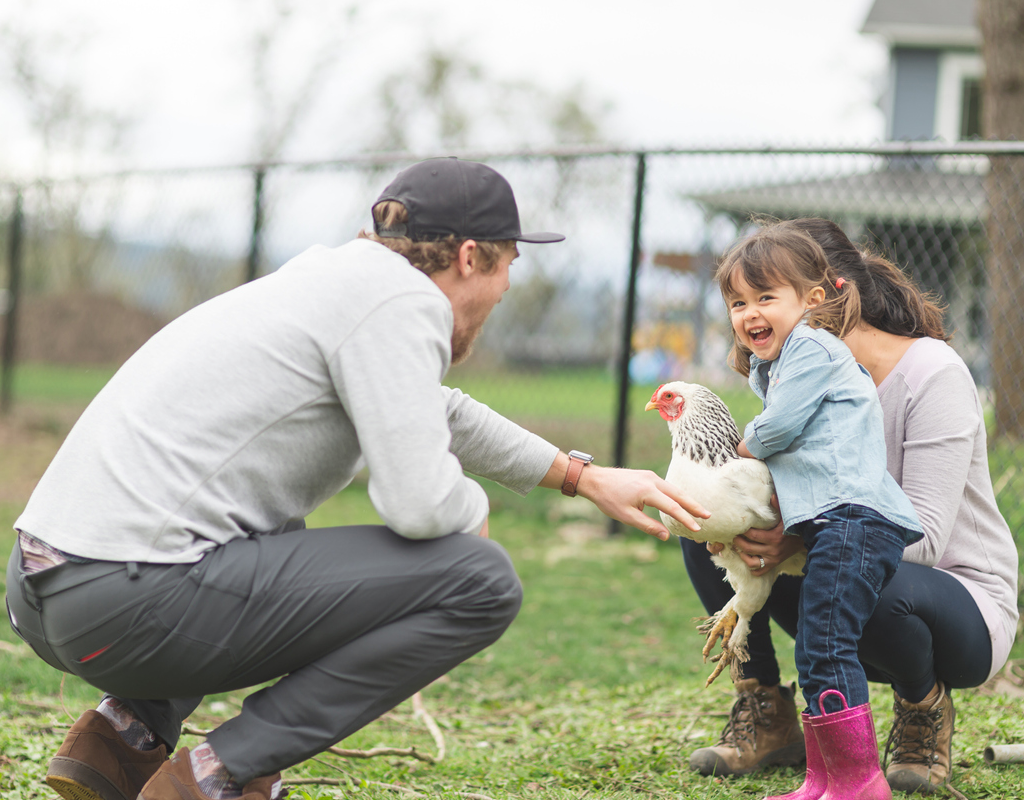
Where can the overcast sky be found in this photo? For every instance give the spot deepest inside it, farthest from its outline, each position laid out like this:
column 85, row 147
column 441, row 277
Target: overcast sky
column 673, row 73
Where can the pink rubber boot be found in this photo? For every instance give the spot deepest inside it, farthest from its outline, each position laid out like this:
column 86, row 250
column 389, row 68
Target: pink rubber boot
column 848, row 746
column 816, row 780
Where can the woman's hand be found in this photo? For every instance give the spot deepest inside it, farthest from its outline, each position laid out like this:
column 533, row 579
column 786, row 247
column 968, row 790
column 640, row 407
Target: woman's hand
column 773, row 546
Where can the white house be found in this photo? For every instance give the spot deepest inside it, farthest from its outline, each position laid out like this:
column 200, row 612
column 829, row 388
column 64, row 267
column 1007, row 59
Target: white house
column 935, row 67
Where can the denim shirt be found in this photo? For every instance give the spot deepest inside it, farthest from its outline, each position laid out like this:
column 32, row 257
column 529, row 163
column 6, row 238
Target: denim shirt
column 821, row 432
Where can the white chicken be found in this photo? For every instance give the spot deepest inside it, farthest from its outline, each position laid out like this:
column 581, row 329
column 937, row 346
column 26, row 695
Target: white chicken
column 737, row 491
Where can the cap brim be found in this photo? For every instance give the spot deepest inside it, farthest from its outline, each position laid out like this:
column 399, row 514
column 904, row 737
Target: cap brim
column 542, row 237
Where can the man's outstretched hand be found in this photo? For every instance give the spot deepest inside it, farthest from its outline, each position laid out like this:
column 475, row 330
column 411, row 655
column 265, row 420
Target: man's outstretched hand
column 622, row 494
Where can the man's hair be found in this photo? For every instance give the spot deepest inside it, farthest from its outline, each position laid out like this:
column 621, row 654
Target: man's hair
column 435, row 256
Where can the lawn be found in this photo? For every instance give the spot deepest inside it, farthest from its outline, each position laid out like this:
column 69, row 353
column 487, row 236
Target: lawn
column 596, row 690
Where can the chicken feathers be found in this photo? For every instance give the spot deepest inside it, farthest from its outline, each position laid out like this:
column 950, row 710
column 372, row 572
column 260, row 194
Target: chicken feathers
column 737, row 491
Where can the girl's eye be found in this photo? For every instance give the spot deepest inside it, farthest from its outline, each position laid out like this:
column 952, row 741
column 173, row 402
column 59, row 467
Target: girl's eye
column 737, row 304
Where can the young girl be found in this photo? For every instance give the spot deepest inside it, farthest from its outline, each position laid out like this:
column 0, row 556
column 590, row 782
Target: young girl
column 821, row 436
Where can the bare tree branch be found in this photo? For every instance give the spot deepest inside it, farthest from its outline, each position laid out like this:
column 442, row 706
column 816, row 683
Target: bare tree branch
column 390, row 786
column 281, row 109
column 420, row 711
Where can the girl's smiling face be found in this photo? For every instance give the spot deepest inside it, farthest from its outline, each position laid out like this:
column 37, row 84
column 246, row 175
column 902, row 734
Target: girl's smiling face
column 763, row 318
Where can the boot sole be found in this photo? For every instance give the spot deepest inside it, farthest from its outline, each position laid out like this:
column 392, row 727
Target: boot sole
column 75, row 780
column 790, row 755
column 912, row 783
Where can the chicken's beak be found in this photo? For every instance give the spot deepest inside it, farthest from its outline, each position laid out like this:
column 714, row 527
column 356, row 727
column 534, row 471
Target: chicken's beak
column 650, row 404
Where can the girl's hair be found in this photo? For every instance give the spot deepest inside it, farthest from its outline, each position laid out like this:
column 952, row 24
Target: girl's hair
column 430, row 257
column 874, row 290
column 889, row 300
column 780, row 253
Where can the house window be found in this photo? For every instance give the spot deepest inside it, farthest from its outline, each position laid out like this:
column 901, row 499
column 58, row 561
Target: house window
column 958, row 106
column 970, row 109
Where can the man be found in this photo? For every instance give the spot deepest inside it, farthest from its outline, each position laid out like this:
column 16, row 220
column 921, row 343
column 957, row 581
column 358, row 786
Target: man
column 163, row 555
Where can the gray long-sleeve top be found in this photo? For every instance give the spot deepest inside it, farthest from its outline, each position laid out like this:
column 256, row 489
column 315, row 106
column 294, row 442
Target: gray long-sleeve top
column 255, row 407
column 936, row 450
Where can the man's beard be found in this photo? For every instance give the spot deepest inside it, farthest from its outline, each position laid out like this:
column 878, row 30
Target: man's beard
column 462, row 343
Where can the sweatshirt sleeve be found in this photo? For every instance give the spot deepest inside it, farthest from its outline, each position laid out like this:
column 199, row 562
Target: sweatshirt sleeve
column 387, row 374
column 793, row 399
column 942, row 421
column 493, row 447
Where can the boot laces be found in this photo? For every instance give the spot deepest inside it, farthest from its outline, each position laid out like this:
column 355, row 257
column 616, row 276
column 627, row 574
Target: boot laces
column 745, row 716
column 914, row 735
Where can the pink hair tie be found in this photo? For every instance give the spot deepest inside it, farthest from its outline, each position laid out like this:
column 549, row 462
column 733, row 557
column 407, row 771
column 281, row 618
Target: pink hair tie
column 840, row 282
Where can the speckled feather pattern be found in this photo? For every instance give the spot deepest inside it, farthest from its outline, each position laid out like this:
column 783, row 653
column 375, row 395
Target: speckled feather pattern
column 737, row 491
column 709, row 435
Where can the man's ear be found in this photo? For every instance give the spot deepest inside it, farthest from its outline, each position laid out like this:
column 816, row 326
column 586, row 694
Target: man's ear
column 465, row 260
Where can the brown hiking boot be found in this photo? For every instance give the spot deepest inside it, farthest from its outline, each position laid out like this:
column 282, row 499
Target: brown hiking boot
column 94, row 763
column 920, row 743
column 762, row 730
column 176, row 781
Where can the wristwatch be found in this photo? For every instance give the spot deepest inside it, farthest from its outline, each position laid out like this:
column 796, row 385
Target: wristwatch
column 577, row 461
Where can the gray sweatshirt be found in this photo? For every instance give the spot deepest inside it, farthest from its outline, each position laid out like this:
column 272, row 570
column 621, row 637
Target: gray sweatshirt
column 936, row 447
column 252, row 409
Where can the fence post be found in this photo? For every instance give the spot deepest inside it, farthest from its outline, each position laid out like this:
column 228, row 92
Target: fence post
column 11, row 317
column 252, row 266
column 626, row 346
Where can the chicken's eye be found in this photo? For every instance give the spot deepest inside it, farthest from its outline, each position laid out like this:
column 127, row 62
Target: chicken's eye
column 669, row 395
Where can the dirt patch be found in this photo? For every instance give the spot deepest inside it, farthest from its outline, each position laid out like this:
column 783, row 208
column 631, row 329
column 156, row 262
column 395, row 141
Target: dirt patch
column 81, row 328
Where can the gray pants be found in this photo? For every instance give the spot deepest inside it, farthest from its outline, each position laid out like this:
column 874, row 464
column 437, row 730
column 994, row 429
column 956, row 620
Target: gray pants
column 350, row 620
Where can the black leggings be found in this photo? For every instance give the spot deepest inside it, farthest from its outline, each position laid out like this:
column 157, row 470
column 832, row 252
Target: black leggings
column 926, row 627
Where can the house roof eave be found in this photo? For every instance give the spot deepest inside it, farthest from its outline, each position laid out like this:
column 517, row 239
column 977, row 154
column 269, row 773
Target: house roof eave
column 897, row 34
column 900, row 195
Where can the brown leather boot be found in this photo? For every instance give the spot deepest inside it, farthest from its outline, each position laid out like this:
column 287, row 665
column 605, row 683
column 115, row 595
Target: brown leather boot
column 94, row 763
column 918, row 753
column 762, row 730
column 176, row 781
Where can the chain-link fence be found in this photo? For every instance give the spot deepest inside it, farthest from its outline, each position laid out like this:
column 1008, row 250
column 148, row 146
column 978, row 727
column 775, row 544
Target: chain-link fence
column 590, row 326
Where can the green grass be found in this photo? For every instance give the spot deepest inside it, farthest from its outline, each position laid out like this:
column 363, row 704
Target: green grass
column 58, row 384
column 595, row 690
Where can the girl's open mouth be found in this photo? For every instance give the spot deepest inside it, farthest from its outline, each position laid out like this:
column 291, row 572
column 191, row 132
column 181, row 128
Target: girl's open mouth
column 760, row 335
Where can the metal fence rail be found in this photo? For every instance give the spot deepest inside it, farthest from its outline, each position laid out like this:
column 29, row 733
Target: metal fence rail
column 97, row 264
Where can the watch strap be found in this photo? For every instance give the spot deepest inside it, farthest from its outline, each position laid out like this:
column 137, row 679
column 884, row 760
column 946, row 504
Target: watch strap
column 572, row 475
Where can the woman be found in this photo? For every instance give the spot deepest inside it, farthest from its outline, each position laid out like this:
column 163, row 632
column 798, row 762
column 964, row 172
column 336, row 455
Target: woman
column 948, row 617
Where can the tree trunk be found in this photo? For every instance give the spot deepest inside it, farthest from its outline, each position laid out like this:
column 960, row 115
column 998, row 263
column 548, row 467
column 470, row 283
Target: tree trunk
column 1002, row 29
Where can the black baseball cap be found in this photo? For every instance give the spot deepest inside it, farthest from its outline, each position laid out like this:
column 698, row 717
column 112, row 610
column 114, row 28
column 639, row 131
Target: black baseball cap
column 449, row 197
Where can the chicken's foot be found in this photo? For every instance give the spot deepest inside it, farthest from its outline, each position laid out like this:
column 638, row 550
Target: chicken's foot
column 723, row 658
column 721, row 625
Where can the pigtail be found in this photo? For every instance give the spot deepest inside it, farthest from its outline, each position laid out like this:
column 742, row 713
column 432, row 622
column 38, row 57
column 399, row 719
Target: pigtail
column 896, row 305
column 840, row 313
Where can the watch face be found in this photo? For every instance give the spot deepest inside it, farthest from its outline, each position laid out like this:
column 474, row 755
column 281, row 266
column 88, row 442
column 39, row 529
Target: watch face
column 579, row 454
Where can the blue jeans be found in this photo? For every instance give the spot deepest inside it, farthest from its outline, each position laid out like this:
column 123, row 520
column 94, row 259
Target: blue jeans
column 852, row 554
